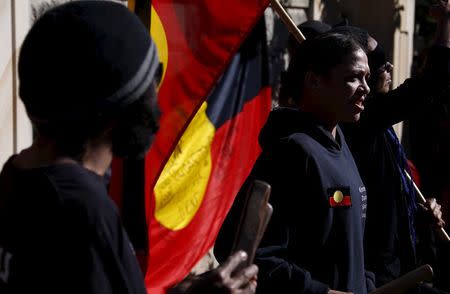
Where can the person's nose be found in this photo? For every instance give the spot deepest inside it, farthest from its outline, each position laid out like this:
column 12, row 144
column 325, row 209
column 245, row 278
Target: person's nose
column 365, row 87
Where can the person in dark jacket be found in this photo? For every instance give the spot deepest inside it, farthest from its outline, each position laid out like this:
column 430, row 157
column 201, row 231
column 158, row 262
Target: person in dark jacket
column 88, row 72
column 393, row 232
column 314, row 241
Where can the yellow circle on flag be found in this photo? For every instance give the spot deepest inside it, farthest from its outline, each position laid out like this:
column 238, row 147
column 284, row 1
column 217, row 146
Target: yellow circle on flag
column 181, row 187
column 338, row 196
column 158, row 35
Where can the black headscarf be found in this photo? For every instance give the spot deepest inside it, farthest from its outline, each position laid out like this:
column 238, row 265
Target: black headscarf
column 360, row 35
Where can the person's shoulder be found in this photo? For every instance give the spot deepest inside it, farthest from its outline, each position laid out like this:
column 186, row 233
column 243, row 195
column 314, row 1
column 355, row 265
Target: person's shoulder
column 304, row 142
column 74, row 181
column 26, row 189
column 290, row 151
column 80, row 192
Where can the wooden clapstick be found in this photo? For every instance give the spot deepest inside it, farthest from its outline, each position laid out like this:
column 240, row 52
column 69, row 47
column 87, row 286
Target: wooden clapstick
column 407, row 281
column 442, row 234
column 254, row 219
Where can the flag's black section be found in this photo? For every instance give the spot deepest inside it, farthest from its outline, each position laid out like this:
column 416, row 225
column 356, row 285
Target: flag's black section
column 142, row 9
column 247, row 74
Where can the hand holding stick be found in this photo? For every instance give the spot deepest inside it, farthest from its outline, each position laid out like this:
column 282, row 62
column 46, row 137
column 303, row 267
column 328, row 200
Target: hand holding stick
column 254, row 219
column 224, row 279
column 442, row 234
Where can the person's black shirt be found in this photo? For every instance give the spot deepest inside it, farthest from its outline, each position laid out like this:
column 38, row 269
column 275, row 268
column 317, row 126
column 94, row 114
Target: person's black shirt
column 60, row 233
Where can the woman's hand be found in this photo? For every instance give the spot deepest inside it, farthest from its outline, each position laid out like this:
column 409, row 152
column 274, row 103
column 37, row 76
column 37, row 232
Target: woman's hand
column 222, row 279
column 434, row 210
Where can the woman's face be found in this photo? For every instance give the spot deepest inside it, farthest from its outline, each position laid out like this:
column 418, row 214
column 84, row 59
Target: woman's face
column 343, row 89
column 384, row 78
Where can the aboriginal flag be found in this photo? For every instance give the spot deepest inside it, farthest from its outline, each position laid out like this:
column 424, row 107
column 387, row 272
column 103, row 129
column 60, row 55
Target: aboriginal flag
column 214, row 99
column 209, row 165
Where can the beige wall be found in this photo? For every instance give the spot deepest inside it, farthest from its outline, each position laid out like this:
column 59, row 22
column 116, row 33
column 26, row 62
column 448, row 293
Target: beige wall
column 403, row 47
column 15, row 130
column 6, row 82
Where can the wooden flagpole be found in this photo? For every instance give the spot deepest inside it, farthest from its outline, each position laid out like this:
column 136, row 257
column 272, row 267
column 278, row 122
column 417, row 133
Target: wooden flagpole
column 276, row 5
column 442, row 234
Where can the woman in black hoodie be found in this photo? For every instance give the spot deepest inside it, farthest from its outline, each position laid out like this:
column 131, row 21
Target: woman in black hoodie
column 314, row 242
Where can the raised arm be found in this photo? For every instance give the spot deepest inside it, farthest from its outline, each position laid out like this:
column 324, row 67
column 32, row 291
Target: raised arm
column 428, row 89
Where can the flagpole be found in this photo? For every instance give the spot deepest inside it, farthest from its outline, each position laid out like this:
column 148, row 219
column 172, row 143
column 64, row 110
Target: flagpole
column 276, row 5
column 441, row 232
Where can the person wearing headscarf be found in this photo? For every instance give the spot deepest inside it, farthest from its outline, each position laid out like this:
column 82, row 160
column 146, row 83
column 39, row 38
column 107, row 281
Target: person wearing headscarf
column 393, row 215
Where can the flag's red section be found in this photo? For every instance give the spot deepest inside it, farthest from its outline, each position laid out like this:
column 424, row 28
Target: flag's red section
column 414, row 173
column 116, row 182
column 231, row 161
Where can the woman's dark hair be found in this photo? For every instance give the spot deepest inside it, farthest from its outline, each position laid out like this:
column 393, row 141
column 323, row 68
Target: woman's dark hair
column 359, row 35
column 310, row 29
column 317, row 55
